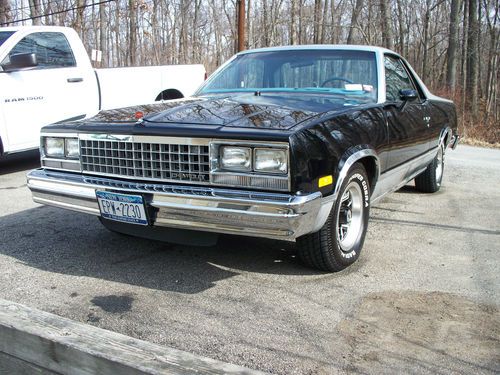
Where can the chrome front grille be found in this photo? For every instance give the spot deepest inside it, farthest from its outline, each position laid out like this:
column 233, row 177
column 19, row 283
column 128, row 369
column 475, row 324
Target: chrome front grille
column 145, row 160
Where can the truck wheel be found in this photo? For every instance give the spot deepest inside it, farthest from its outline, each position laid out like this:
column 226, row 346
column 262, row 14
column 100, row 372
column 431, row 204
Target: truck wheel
column 429, row 181
column 338, row 244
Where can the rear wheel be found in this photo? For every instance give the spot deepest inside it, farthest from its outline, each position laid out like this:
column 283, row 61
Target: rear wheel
column 338, row 244
column 429, row 181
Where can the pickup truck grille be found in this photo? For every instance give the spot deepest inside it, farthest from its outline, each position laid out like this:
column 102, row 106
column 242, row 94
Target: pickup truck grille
column 148, row 161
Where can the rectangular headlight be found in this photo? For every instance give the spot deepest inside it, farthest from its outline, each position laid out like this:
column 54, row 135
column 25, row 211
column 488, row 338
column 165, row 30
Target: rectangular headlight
column 270, row 160
column 54, row 147
column 72, row 148
column 236, row 158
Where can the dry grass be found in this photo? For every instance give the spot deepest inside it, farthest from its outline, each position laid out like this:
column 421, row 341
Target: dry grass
column 481, row 129
column 478, row 143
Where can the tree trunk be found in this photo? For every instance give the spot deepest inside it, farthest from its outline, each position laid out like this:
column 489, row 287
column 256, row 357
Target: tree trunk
column 5, row 14
column 386, row 24
column 249, row 35
column 293, row 25
column 117, row 35
column 102, row 32
column 317, row 21
column 354, row 20
column 133, row 33
column 471, row 88
column 451, row 68
column 35, row 11
column 401, row 26
column 79, row 26
column 323, row 26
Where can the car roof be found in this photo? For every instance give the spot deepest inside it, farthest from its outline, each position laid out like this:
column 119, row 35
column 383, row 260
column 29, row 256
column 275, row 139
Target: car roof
column 351, row 47
column 33, row 28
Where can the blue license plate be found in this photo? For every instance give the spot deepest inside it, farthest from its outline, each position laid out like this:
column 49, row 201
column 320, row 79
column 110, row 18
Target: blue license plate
column 122, row 207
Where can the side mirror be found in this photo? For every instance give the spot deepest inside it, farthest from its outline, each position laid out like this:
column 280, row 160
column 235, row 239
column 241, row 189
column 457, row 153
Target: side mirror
column 408, row 95
column 21, row 61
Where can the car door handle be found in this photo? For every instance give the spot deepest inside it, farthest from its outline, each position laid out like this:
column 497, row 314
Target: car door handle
column 73, row 80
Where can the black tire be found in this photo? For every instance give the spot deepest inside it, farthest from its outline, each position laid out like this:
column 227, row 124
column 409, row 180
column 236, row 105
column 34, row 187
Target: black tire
column 325, row 250
column 429, row 181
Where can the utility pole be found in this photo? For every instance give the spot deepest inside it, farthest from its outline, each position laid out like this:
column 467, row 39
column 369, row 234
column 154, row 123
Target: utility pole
column 241, row 25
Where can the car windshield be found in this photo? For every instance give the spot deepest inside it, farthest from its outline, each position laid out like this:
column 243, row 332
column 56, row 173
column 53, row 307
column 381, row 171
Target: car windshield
column 344, row 74
column 4, row 35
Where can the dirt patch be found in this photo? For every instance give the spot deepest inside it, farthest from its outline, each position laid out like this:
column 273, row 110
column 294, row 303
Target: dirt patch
column 412, row 332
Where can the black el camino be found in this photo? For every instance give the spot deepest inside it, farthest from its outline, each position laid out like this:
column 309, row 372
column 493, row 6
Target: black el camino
column 287, row 143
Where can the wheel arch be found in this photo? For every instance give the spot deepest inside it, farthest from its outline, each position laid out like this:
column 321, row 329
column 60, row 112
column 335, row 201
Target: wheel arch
column 169, row 94
column 365, row 155
column 445, row 137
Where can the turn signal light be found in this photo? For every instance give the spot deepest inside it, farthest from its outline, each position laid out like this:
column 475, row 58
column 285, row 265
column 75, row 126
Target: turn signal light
column 325, row 181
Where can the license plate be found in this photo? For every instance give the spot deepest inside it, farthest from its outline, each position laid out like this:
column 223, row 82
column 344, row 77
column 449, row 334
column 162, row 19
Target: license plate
column 122, row 207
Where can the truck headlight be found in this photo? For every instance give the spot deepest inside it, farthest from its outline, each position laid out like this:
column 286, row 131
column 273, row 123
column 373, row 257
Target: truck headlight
column 270, row 160
column 72, row 148
column 54, row 147
column 236, row 158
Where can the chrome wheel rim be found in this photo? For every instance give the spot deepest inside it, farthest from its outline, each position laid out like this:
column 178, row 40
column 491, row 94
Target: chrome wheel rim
column 440, row 164
column 350, row 217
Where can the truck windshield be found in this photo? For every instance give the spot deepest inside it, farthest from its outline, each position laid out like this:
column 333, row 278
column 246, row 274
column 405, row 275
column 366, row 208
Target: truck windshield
column 4, row 35
column 344, row 74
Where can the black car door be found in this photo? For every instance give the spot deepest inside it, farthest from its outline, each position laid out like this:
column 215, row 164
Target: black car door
column 407, row 121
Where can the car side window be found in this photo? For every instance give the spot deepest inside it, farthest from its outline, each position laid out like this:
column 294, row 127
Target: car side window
column 51, row 49
column 396, row 78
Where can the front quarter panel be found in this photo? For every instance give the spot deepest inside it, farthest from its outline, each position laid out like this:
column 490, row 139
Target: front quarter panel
column 322, row 148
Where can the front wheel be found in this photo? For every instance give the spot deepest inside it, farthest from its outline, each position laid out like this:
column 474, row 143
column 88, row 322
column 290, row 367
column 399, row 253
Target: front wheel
column 338, row 244
column 429, row 181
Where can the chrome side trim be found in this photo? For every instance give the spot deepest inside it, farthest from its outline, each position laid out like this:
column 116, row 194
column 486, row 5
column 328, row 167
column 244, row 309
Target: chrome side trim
column 398, row 177
column 327, row 202
column 454, row 143
column 350, row 161
column 444, row 133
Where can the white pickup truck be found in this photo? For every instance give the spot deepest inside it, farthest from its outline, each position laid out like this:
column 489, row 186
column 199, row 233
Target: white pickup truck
column 46, row 77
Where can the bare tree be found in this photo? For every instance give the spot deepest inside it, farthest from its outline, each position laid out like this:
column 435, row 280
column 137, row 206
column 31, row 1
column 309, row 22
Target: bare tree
column 472, row 57
column 453, row 44
column 354, row 20
column 132, row 51
column 5, row 14
column 386, row 24
column 35, row 11
column 451, row 69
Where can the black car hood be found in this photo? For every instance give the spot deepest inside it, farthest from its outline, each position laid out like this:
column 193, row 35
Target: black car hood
column 243, row 111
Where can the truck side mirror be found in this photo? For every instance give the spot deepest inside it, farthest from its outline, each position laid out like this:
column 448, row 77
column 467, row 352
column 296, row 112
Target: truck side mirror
column 21, row 61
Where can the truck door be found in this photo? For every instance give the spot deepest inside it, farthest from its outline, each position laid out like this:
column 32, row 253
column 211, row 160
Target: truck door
column 408, row 123
column 55, row 90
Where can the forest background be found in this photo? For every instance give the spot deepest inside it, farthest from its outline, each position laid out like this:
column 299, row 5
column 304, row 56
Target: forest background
column 452, row 44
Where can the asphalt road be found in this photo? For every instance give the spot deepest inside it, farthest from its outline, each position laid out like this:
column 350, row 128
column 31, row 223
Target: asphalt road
column 424, row 296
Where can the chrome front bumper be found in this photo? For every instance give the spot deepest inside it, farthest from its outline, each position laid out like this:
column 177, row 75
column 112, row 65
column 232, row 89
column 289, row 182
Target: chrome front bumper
column 248, row 213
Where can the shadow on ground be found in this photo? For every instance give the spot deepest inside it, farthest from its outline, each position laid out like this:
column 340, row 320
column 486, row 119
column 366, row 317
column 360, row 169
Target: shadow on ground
column 19, row 162
column 71, row 243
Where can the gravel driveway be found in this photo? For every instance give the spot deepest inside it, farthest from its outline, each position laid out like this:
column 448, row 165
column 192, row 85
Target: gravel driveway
column 424, row 296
